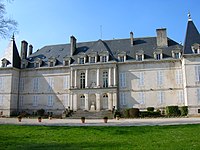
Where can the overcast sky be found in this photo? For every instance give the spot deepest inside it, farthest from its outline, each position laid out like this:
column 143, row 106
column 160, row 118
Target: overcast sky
column 50, row 22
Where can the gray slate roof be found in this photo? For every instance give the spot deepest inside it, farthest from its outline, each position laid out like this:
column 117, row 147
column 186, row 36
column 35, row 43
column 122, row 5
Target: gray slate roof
column 113, row 47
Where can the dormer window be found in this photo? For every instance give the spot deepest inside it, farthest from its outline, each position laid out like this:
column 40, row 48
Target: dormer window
column 122, row 56
column 81, row 60
column 104, row 59
column 104, row 56
column 92, row 60
column 176, row 53
column 66, row 61
column 51, row 61
column 140, row 55
column 37, row 63
column 92, row 57
column 158, row 54
column 196, row 48
column 5, row 62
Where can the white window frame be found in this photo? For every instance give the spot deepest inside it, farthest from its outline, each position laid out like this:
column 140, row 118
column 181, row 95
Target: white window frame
column 160, row 78
column 180, row 96
column 141, row 98
column 197, row 73
column 122, row 96
column 1, row 100
column 141, row 79
column 179, row 77
column 92, row 59
column 35, row 84
column 161, row 97
column 50, row 101
column 66, row 82
column 122, row 79
column 81, row 60
column 104, row 58
column 35, row 101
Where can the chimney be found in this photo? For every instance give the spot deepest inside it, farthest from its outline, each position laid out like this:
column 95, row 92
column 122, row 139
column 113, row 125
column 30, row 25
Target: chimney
column 30, row 50
column 24, row 46
column 161, row 37
column 131, row 36
column 73, row 44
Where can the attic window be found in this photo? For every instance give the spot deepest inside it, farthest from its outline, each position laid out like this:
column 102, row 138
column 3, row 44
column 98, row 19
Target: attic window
column 52, row 62
column 5, row 62
column 122, row 56
column 196, row 48
column 37, row 62
column 140, row 55
column 81, row 60
column 158, row 55
column 176, row 54
column 92, row 59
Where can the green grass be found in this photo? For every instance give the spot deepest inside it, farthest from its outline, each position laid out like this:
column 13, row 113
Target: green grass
column 146, row 137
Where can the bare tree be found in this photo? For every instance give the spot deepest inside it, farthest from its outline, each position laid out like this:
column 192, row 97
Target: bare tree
column 7, row 25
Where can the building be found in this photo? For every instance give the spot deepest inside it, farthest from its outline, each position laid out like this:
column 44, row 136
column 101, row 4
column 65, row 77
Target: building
column 99, row 75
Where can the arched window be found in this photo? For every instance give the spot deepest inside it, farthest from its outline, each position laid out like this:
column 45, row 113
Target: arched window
column 105, row 101
column 105, row 79
column 82, row 80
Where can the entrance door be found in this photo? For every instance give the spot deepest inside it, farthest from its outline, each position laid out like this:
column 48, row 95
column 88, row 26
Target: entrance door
column 82, row 102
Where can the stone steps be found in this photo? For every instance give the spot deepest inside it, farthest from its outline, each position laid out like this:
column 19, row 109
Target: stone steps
column 91, row 115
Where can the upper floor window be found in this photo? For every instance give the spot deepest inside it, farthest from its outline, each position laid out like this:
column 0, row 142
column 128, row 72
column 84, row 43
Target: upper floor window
column 37, row 62
column 35, row 84
column 196, row 48
column 50, row 82
column 81, row 60
column 104, row 59
column 121, row 58
column 160, row 78
column 35, row 100
column 139, row 57
column 50, row 101
column 105, row 79
column 158, row 54
column 122, row 97
column 92, row 59
column 141, row 79
column 179, row 77
column 177, row 55
column 197, row 73
column 52, row 61
column 82, row 80
column 122, row 79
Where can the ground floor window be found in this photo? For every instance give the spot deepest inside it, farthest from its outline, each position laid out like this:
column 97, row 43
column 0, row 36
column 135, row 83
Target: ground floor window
column 82, row 102
column 105, row 101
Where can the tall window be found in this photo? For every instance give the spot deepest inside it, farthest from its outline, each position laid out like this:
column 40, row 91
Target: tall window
column 50, row 81
column 198, row 96
column 178, row 77
column 122, row 79
column 1, row 83
column 158, row 56
column 121, row 58
column 139, row 57
column 35, row 101
column 160, row 78
column 1, row 100
column 92, row 59
column 105, row 101
column 50, row 101
column 66, row 82
column 141, row 98
column 141, row 78
column 35, row 84
column 21, row 101
column 82, row 80
column 197, row 73
column 122, row 98
column 81, row 60
column 160, row 97
column 180, row 96
column 177, row 55
column 82, row 102
column 21, row 84
column 66, row 100
column 105, row 79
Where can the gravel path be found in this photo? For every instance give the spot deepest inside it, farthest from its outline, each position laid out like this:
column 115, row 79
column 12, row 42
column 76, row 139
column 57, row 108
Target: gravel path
column 100, row 122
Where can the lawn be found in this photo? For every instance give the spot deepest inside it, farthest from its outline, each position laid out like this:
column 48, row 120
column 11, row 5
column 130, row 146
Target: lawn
column 146, row 137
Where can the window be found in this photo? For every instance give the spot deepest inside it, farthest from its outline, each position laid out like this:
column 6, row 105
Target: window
column 198, row 96
column 105, row 79
column 66, row 100
column 139, row 57
column 66, row 63
column 1, row 83
column 35, row 84
column 122, row 79
column 51, row 64
column 197, row 73
column 104, row 58
column 141, row 78
column 50, row 101
column 121, row 58
column 180, row 96
column 35, row 101
column 37, row 64
column 82, row 102
column 21, row 101
column 178, row 77
column 122, row 98
column 92, row 59
column 66, row 82
column 158, row 56
column 141, row 98
column 176, row 55
column 160, row 97
column 81, row 60
column 159, row 78
column 195, row 48
column 82, row 80
column 21, row 88
column 50, row 81
column 1, row 100
column 105, row 101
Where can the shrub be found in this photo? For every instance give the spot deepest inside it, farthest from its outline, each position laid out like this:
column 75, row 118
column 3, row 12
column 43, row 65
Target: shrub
column 172, row 111
column 40, row 112
column 150, row 109
column 126, row 113
column 144, row 114
column 183, row 110
column 117, row 112
column 134, row 112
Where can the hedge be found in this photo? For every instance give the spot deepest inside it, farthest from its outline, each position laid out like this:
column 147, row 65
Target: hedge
column 172, row 111
column 183, row 110
column 144, row 114
column 150, row 109
column 134, row 112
